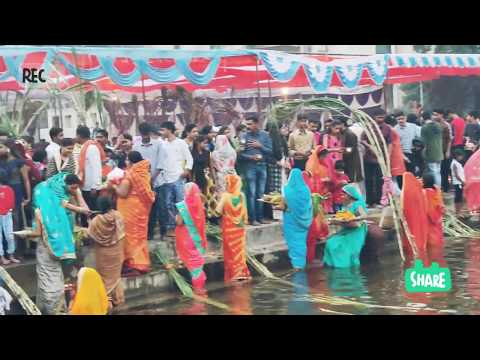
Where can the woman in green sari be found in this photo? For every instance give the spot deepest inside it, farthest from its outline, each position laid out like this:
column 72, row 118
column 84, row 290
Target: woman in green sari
column 343, row 248
column 54, row 222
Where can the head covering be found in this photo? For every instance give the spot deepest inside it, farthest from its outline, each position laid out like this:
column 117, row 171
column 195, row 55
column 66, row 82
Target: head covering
column 317, row 166
column 91, row 297
column 298, row 198
column 352, row 191
column 107, row 229
column 235, row 207
column 224, row 154
column 139, row 175
column 193, row 200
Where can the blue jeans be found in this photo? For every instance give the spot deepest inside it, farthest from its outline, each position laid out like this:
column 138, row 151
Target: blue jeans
column 434, row 168
column 174, row 193
column 158, row 212
column 256, row 176
column 6, row 228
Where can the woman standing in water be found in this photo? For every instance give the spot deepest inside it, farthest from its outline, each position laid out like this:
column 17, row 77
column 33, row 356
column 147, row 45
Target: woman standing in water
column 233, row 209
column 135, row 199
column 190, row 234
column 343, row 249
column 108, row 232
column 54, row 225
column 297, row 217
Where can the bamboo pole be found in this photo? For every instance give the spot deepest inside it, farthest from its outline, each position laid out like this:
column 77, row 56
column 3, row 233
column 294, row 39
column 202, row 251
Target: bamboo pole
column 19, row 293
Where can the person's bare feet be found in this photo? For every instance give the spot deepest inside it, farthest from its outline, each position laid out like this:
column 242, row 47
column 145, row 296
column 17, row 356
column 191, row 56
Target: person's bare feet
column 14, row 260
column 170, row 233
column 4, row 261
column 265, row 222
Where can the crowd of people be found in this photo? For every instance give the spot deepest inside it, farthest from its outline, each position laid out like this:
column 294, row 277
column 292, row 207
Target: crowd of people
column 127, row 190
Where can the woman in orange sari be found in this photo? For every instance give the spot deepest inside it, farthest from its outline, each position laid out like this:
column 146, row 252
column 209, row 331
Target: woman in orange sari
column 435, row 210
column 135, row 199
column 320, row 168
column 233, row 208
column 397, row 161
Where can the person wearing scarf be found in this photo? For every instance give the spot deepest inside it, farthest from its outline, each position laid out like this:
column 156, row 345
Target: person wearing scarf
column 224, row 157
column 435, row 211
column 91, row 297
column 319, row 227
column 190, row 234
column 233, row 208
column 320, row 168
column 54, row 225
column 108, row 233
column 297, row 218
column 135, row 199
column 343, row 249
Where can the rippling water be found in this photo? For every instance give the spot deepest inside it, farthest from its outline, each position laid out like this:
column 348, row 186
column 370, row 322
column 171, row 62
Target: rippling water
column 378, row 287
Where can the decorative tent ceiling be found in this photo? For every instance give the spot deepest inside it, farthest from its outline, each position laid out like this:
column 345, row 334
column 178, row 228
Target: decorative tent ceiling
column 138, row 70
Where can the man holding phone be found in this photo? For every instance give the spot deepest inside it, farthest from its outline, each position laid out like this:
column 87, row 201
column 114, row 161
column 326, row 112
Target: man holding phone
column 255, row 146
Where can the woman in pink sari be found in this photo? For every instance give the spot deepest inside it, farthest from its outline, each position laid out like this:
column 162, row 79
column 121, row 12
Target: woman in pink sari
column 471, row 191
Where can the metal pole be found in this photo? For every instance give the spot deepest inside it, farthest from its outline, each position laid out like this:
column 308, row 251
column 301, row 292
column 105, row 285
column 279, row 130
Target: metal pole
column 421, row 94
column 270, row 94
column 259, row 108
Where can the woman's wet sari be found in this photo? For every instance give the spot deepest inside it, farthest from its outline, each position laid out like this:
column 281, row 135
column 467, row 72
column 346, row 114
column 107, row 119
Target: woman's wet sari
column 297, row 218
column 57, row 222
column 343, row 249
column 435, row 209
column 319, row 227
column 191, row 238
column 135, row 210
column 91, row 297
column 234, row 219
column 108, row 232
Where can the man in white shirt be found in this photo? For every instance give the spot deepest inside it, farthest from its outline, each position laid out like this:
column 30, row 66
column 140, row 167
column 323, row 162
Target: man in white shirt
column 53, row 149
column 177, row 164
column 151, row 150
column 89, row 168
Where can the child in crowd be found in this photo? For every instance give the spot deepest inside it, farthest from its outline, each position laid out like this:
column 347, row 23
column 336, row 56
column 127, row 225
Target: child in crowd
column 339, row 181
column 7, row 203
column 458, row 177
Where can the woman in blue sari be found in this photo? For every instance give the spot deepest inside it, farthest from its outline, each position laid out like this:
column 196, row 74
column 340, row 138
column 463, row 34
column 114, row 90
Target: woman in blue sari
column 297, row 218
column 54, row 224
column 343, row 249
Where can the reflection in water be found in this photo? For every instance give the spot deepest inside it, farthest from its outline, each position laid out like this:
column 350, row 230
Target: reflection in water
column 240, row 298
column 299, row 304
column 376, row 284
column 473, row 268
column 346, row 282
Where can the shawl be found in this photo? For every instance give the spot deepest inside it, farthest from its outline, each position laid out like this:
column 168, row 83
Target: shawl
column 107, row 229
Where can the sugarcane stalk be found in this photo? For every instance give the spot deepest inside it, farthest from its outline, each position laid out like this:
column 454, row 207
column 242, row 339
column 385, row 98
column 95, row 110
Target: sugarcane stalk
column 19, row 293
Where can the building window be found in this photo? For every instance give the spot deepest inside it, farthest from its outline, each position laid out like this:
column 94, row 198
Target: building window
column 68, row 121
column 383, row 49
column 56, row 121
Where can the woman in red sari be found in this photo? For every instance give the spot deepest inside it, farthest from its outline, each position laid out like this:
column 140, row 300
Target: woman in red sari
column 233, row 208
column 397, row 161
column 320, row 168
column 135, row 199
column 190, row 233
column 319, row 228
column 435, row 210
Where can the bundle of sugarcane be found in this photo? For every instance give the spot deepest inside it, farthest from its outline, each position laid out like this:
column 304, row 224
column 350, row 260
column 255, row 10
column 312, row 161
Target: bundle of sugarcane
column 183, row 285
column 454, row 227
column 18, row 292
